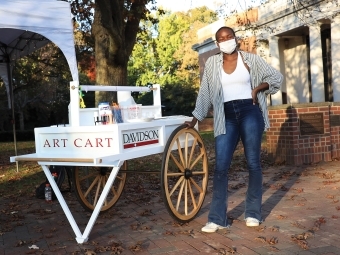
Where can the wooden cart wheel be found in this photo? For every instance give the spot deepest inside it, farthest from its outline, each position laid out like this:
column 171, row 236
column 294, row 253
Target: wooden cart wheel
column 89, row 183
column 184, row 175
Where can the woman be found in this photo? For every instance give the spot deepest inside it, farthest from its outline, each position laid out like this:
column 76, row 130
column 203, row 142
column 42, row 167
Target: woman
column 236, row 84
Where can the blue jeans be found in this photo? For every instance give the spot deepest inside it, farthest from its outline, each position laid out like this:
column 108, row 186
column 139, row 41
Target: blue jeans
column 243, row 120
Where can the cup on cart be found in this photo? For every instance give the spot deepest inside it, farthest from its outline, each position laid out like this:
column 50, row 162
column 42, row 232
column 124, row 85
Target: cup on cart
column 134, row 111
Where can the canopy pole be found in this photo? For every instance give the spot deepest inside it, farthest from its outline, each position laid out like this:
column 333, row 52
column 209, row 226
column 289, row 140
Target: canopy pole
column 9, row 71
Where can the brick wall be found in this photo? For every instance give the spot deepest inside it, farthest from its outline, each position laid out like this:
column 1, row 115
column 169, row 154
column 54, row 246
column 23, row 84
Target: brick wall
column 285, row 142
column 335, row 130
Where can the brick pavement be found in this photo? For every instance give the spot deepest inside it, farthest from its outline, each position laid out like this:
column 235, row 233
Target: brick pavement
column 300, row 202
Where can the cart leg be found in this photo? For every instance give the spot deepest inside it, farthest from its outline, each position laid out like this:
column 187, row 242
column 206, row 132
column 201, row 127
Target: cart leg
column 81, row 238
column 102, row 197
column 63, row 204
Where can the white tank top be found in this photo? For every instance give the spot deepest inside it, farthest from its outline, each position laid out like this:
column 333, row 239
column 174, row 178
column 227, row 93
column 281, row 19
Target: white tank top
column 237, row 84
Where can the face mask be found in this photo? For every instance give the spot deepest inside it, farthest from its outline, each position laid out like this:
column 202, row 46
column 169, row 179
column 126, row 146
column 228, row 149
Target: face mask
column 228, row 46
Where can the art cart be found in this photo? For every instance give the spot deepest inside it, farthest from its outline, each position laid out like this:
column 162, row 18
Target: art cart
column 98, row 156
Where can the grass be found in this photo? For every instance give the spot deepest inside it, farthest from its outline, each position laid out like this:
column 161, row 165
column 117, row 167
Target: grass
column 28, row 176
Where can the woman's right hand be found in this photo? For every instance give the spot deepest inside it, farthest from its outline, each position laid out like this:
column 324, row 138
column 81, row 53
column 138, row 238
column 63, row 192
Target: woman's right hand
column 192, row 123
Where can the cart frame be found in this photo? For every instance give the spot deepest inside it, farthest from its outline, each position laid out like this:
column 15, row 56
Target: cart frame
column 61, row 145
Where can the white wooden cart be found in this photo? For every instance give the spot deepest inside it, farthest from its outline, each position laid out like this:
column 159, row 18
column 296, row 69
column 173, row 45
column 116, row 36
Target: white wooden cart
column 98, row 155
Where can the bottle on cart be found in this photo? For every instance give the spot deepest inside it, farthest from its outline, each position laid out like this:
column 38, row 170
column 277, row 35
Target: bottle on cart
column 48, row 193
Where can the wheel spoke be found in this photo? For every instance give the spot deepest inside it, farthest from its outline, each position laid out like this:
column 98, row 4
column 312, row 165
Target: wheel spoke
column 196, row 185
column 175, row 174
column 180, row 195
column 186, row 197
column 176, row 185
column 196, row 160
column 104, row 179
column 192, row 151
column 91, row 186
column 186, row 145
column 179, row 149
column 118, row 178
column 88, row 176
column 192, row 196
column 176, row 162
column 113, row 189
column 97, row 192
column 197, row 173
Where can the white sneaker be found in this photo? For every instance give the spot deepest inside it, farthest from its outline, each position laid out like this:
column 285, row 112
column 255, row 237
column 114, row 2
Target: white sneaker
column 252, row 222
column 211, row 227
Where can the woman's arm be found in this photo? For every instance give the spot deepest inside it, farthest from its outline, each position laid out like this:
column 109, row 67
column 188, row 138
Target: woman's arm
column 269, row 75
column 262, row 86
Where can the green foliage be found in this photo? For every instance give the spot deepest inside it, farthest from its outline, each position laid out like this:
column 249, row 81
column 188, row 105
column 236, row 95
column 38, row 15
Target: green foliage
column 89, row 97
column 41, row 82
column 177, row 99
column 164, row 56
column 41, row 89
column 144, row 57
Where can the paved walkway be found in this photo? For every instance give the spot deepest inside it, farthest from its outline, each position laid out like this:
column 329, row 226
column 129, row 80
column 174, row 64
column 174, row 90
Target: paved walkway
column 300, row 205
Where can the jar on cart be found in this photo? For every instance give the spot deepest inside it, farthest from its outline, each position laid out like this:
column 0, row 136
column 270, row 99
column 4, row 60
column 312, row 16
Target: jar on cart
column 105, row 113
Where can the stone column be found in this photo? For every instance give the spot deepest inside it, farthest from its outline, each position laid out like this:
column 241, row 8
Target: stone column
column 274, row 61
column 316, row 65
column 335, row 51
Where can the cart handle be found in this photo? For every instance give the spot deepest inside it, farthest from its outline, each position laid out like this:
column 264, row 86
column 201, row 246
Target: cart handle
column 113, row 88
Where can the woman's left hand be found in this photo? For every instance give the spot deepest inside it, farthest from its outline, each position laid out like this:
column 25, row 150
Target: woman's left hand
column 254, row 95
column 262, row 86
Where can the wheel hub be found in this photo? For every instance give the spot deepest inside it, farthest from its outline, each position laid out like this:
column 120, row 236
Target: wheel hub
column 103, row 170
column 187, row 173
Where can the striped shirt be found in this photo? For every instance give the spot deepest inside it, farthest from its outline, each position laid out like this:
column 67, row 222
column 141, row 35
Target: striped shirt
column 211, row 92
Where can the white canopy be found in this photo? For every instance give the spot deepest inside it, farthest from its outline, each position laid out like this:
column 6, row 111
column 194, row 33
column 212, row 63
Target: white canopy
column 26, row 25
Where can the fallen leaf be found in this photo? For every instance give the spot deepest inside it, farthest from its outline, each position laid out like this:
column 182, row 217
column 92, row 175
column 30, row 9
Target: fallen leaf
column 20, row 243
column 275, row 228
column 303, row 244
column 261, row 239
column 273, row 248
column 261, row 229
column 89, row 252
column 273, row 240
column 34, row 247
column 136, row 247
column 297, row 224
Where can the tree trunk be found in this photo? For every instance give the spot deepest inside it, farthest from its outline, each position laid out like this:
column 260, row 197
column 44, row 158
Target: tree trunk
column 21, row 120
column 111, row 58
column 108, row 71
column 115, row 29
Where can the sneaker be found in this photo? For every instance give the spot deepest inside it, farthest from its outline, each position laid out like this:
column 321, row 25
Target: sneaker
column 211, row 227
column 252, row 222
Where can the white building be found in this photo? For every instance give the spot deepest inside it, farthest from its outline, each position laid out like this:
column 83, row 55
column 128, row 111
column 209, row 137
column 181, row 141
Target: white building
column 301, row 40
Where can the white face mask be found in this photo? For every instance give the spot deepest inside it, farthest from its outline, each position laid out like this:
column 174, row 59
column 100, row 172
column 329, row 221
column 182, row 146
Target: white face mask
column 228, row 46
